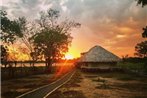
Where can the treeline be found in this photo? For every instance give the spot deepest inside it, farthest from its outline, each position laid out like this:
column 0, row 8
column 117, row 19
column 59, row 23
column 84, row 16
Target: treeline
column 135, row 60
column 45, row 38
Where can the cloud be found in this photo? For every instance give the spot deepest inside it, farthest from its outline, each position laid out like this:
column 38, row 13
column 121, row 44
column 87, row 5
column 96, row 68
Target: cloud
column 115, row 24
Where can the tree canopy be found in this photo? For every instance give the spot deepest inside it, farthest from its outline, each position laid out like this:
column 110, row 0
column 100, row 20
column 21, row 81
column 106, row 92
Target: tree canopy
column 142, row 2
column 141, row 49
column 144, row 34
column 10, row 29
column 53, row 37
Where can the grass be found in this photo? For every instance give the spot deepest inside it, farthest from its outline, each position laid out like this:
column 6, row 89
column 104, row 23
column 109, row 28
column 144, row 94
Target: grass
column 11, row 94
column 132, row 86
column 128, row 82
column 67, row 94
column 66, row 90
column 15, row 87
column 103, row 85
column 132, row 66
column 115, row 75
column 74, row 81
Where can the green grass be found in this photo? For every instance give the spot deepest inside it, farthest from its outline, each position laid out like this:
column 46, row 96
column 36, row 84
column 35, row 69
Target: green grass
column 133, row 66
column 116, row 75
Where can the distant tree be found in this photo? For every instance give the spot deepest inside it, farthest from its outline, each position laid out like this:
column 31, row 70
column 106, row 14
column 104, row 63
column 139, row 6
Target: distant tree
column 141, row 49
column 4, row 55
column 142, row 2
column 27, row 30
column 53, row 39
column 144, row 34
column 125, row 57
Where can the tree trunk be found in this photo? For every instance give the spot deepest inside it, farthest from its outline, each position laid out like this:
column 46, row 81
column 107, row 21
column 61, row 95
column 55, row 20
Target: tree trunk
column 48, row 65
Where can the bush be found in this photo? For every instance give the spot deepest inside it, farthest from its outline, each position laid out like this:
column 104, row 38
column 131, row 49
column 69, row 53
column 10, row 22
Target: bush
column 132, row 66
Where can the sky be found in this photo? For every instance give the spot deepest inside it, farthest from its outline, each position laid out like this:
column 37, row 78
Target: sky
column 115, row 25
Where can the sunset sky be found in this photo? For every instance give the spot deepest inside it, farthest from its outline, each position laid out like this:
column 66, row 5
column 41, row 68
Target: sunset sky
column 115, row 25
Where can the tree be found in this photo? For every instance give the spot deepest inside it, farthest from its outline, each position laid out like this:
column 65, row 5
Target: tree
column 4, row 55
column 27, row 30
column 142, row 2
column 14, row 29
column 9, row 29
column 53, row 39
column 141, row 49
column 125, row 57
column 144, row 34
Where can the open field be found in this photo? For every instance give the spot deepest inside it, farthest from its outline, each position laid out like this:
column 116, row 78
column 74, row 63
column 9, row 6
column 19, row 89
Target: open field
column 15, row 87
column 103, row 85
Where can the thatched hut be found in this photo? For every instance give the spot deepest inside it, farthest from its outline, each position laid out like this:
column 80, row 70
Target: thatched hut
column 98, row 58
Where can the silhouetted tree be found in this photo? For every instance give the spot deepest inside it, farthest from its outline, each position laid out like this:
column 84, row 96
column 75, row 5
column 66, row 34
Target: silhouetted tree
column 4, row 55
column 125, row 57
column 10, row 29
column 27, row 32
column 53, row 39
column 142, row 2
column 144, row 34
column 141, row 49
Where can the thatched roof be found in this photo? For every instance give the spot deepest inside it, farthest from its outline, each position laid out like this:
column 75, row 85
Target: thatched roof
column 99, row 54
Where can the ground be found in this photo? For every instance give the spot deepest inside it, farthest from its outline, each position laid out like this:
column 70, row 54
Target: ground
column 103, row 85
column 15, row 87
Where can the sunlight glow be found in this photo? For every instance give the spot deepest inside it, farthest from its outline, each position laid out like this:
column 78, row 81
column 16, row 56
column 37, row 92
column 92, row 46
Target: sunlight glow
column 68, row 56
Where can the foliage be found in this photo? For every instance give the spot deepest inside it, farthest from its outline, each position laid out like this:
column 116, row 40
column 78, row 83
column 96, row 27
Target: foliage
column 125, row 57
column 144, row 34
column 142, row 2
column 141, row 49
column 133, row 66
column 135, row 60
column 134, row 63
column 53, row 38
column 9, row 29
column 4, row 55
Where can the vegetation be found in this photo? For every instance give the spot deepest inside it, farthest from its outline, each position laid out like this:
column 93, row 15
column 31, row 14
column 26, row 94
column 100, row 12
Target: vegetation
column 142, row 2
column 4, row 55
column 47, row 38
column 141, row 49
column 144, row 34
column 132, row 66
column 53, row 38
column 11, row 29
column 92, row 85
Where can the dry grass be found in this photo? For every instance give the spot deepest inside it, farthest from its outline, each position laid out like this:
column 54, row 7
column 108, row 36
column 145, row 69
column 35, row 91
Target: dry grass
column 70, row 89
column 103, row 85
column 118, row 85
column 16, row 87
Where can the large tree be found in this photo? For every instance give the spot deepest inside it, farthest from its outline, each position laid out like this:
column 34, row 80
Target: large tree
column 141, row 49
column 53, row 38
column 144, row 34
column 10, row 30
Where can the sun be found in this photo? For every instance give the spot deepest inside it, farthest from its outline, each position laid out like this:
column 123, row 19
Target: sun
column 69, row 56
